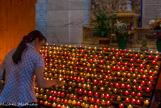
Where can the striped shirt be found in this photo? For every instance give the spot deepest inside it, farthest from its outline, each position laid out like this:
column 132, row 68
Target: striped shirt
column 19, row 78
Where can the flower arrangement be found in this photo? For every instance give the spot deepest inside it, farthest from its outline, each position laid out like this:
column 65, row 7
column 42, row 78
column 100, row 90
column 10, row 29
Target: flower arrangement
column 156, row 27
column 156, row 32
column 122, row 32
column 123, row 29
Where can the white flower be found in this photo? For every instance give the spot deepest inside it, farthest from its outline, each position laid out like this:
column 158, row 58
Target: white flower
column 151, row 21
column 120, row 24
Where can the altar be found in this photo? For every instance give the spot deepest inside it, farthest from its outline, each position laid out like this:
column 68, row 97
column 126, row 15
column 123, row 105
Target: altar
column 125, row 14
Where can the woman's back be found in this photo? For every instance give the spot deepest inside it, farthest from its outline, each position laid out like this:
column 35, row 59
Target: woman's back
column 19, row 87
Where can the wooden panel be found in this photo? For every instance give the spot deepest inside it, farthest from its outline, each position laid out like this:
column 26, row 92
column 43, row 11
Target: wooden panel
column 17, row 18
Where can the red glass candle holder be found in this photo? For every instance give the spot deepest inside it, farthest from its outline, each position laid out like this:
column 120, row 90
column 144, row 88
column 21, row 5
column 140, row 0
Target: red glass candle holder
column 117, row 85
column 122, row 54
column 92, row 100
column 114, row 67
column 141, row 66
column 90, row 60
column 121, row 105
column 98, row 101
column 118, row 63
column 149, row 83
column 138, row 102
column 123, row 69
column 128, row 86
column 133, row 93
column 85, row 55
column 125, row 50
column 127, row 99
column 50, row 97
column 107, row 96
column 54, row 98
column 139, row 88
column 113, row 49
column 80, row 91
column 108, row 103
column 144, row 77
column 78, row 103
column 96, row 94
column 154, row 62
column 156, row 57
column 149, row 57
column 95, row 82
column 41, row 102
column 90, row 93
column 139, row 94
column 151, row 78
column 131, row 60
column 55, row 92
column 138, row 60
column 58, row 106
column 126, row 64
column 117, row 54
column 118, row 68
column 101, row 82
column 106, row 77
column 133, row 100
column 66, row 101
column 143, row 82
column 122, row 85
column 147, row 89
column 126, row 92
column 150, row 72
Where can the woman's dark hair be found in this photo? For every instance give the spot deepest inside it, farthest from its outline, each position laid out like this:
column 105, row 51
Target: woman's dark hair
column 22, row 46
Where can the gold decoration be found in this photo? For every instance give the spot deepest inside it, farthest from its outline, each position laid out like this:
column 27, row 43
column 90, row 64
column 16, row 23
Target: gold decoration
column 102, row 89
column 46, row 102
column 74, row 102
column 95, row 87
column 128, row 80
column 115, row 90
column 37, row 95
column 118, row 98
column 146, row 102
column 45, row 97
column 85, row 98
column 41, row 90
column 54, row 105
column 103, row 102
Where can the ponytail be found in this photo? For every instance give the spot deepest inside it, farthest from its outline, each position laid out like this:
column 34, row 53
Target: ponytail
column 17, row 55
column 22, row 46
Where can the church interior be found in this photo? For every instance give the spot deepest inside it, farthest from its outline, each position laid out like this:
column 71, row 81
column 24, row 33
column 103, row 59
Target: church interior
column 106, row 52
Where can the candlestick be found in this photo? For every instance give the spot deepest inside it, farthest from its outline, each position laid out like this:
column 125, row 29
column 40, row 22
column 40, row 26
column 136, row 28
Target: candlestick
column 146, row 102
column 129, row 106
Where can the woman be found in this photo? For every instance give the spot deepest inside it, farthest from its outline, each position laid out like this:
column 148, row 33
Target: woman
column 21, row 65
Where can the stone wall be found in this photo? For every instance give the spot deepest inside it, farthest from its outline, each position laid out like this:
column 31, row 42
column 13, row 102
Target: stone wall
column 65, row 19
column 41, row 16
column 151, row 10
column 62, row 21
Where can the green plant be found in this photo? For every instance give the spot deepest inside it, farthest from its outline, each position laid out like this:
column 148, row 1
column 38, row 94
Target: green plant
column 102, row 24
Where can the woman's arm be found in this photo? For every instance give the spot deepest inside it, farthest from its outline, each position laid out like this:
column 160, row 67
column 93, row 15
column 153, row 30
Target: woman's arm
column 43, row 83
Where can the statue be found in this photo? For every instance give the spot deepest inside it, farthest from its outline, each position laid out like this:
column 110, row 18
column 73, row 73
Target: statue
column 125, row 5
column 144, row 44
